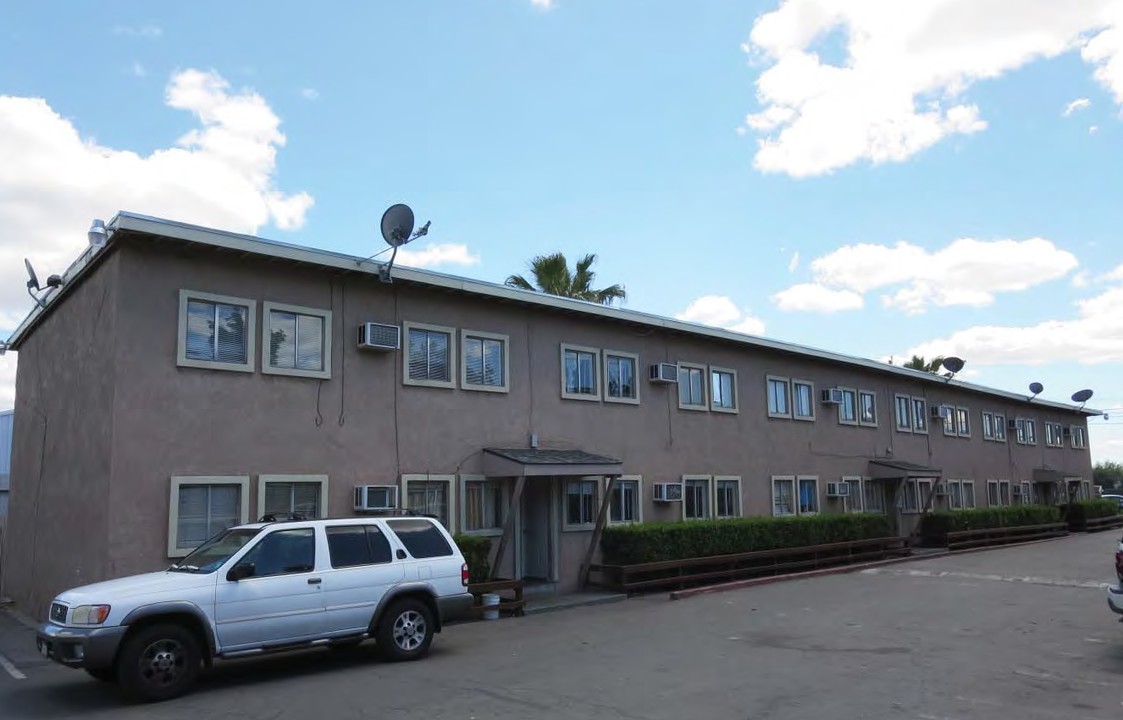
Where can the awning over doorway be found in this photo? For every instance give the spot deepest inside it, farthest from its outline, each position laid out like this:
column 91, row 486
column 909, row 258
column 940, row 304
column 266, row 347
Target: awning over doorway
column 886, row 469
column 532, row 462
column 1052, row 475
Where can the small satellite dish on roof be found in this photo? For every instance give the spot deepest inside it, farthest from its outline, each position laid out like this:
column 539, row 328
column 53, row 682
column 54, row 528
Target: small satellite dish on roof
column 33, row 282
column 953, row 364
column 397, row 230
column 1082, row 396
column 1036, row 388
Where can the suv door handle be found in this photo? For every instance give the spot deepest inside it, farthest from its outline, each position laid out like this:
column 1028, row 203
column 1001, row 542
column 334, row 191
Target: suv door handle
column 314, row 581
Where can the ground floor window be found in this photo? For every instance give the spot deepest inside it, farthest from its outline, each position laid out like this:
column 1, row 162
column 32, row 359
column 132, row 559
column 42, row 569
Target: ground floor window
column 484, row 504
column 202, row 507
column 430, row 495
column 624, row 506
column 783, row 495
column 580, row 503
column 853, row 501
column 873, row 496
column 808, row 495
column 998, row 493
column 961, row 494
column 695, row 497
column 1026, row 494
column 909, row 501
column 728, row 496
column 304, row 495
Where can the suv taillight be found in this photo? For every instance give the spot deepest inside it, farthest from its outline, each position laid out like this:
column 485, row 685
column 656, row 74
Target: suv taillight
column 464, row 574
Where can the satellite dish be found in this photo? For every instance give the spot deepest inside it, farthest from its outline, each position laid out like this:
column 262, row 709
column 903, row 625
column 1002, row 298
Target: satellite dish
column 1036, row 388
column 1082, row 396
column 397, row 225
column 33, row 282
column 953, row 364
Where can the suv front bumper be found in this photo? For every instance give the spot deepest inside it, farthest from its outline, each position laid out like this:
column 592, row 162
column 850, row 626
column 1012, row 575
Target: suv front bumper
column 92, row 647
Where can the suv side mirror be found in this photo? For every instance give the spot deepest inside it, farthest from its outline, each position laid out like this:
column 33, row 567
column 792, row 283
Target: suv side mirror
column 241, row 571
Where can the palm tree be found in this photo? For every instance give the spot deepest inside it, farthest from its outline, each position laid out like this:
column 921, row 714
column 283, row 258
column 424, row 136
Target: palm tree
column 552, row 276
column 918, row 363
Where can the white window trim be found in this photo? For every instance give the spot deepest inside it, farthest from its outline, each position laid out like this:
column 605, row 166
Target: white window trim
column 251, row 332
column 266, row 368
column 428, row 478
column 597, row 369
column 263, row 480
column 1031, row 422
column 407, row 326
column 178, row 481
column 983, row 427
column 908, row 427
column 709, row 495
column 638, row 479
column 705, row 404
column 818, row 498
column 795, row 495
column 605, row 355
column 791, row 392
column 927, row 420
column 842, row 404
column 736, row 391
column 768, row 380
column 1027, row 493
column 1005, row 430
column 876, row 414
column 465, row 335
column 1058, row 435
column 861, row 494
column 962, row 495
column 463, row 519
column 967, row 413
column 1083, row 437
column 944, row 420
column 597, row 499
column 740, row 497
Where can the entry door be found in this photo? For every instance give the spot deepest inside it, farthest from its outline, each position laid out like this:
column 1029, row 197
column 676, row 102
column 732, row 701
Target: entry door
column 537, row 529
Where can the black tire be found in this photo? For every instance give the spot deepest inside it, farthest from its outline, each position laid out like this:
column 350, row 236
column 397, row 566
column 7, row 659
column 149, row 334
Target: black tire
column 158, row 662
column 105, row 674
column 405, row 630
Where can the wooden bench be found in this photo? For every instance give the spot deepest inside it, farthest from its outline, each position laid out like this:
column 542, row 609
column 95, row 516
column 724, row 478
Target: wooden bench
column 984, row 537
column 510, row 593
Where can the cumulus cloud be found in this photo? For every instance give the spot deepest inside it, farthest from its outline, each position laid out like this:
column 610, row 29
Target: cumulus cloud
column 146, row 31
column 793, row 264
column 965, row 272
column 721, row 311
column 437, row 255
column 309, row 93
column 1077, row 104
column 906, row 69
column 543, row 4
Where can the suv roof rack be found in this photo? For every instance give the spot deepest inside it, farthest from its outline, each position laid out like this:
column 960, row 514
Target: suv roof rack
column 281, row 517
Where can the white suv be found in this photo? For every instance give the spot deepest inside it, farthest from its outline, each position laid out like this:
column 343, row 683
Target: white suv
column 259, row 588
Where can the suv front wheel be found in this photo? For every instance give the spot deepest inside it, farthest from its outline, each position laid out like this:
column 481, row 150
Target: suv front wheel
column 158, row 663
column 405, row 631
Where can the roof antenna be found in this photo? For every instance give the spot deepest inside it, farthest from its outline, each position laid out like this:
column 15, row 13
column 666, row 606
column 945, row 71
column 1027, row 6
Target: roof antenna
column 1036, row 388
column 33, row 286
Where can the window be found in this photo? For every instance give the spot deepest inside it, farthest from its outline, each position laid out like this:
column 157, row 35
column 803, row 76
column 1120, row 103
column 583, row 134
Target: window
column 1031, row 431
column 803, row 400
column 1054, row 434
column 484, row 362
column 430, row 495
column 778, row 398
column 695, row 497
column 580, row 503
column 924, row 495
column 961, row 494
column 202, row 507
column 988, row 426
column 848, row 408
column 999, row 427
column 624, row 507
column 783, row 495
column 484, row 505
column 909, row 501
column 430, row 360
column 216, row 332
column 919, row 415
column 283, row 552
column 305, row 495
column 968, row 494
column 808, row 495
column 691, row 386
column 355, row 545
column 947, row 413
column 728, row 490
column 579, row 373
column 867, row 408
column 1027, row 493
column 853, row 502
column 903, row 406
column 422, row 538
column 1079, row 438
column 963, row 422
column 620, row 383
column 998, row 493
column 723, row 391
column 873, row 496
column 296, row 341
column 1020, row 425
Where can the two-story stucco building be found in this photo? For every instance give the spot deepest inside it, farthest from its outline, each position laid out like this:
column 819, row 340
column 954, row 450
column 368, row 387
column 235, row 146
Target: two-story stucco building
column 183, row 379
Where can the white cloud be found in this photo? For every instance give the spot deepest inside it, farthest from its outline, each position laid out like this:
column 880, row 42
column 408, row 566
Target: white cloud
column 965, row 272
column 1093, row 129
column 437, row 255
column 543, row 4
column 138, row 70
column 1081, row 279
column 309, row 93
column 793, row 264
column 146, row 31
column 907, row 66
column 1077, row 104
column 721, row 311
column 1114, row 275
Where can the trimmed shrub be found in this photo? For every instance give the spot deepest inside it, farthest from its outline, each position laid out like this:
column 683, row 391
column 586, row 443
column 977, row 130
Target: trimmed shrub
column 1078, row 513
column 475, row 550
column 935, row 526
column 658, row 541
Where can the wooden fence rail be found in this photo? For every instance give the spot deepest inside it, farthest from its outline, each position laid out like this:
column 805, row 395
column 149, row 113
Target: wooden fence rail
column 963, row 539
column 1097, row 524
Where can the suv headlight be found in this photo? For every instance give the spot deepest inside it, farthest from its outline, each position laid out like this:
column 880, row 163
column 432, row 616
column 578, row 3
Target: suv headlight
column 89, row 614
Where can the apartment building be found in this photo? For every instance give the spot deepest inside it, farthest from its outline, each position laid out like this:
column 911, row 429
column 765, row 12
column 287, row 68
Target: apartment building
column 183, row 379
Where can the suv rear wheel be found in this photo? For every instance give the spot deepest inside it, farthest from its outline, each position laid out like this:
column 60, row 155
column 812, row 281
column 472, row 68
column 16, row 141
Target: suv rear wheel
column 405, row 631
column 158, row 662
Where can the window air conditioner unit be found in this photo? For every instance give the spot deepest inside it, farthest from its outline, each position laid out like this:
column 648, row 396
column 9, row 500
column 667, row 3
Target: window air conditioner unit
column 939, row 412
column 832, row 396
column 838, row 489
column 376, row 497
column 942, row 488
column 1016, row 489
column 668, row 492
column 1066, row 432
column 1011, row 424
column 664, row 373
column 376, row 336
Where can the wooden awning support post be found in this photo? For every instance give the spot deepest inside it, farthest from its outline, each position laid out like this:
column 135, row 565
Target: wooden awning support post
column 594, row 541
column 508, row 526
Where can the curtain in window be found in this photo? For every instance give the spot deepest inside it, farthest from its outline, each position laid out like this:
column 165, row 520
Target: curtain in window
column 429, row 498
column 808, row 496
column 782, row 497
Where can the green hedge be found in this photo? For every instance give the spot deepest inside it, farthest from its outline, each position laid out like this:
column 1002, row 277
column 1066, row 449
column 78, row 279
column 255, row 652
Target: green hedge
column 475, row 550
column 1078, row 512
column 935, row 526
column 657, row 541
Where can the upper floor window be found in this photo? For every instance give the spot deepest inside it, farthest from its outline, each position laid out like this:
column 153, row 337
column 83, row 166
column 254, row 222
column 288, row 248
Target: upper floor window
column 903, row 407
column 803, row 400
column 297, row 341
column 430, row 361
column 988, row 426
column 919, row 415
column 867, row 407
column 963, row 422
column 580, row 379
column 691, row 386
column 1054, row 434
column 484, row 362
column 848, row 408
column 1027, row 431
column 216, row 331
column 723, row 391
column 620, row 377
column 948, row 414
column 1079, row 437
column 778, row 401
column 999, row 427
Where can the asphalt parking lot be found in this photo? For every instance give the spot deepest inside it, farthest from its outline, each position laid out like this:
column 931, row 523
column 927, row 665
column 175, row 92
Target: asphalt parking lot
column 1021, row 633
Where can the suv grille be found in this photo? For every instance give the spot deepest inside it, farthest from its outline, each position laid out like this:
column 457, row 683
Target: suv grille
column 58, row 613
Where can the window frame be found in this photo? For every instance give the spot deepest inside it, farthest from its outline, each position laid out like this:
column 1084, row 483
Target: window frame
column 921, row 418
column 1031, row 431
column 799, row 479
column 714, row 371
column 465, row 336
column 366, row 534
column 598, row 381
column 788, row 396
column 811, row 403
column 620, row 354
column 790, row 479
column 740, row 503
column 708, row 495
column 264, row 480
column 1000, row 430
column 963, row 413
column 638, row 480
column 597, row 491
column 847, row 505
column 854, row 395
column 861, row 421
column 907, row 426
column 463, row 504
column 251, row 332
column 409, row 326
column 1083, row 433
column 704, row 405
column 1058, row 430
column 267, row 308
column 178, row 481
column 427, row 479
column 986, row 415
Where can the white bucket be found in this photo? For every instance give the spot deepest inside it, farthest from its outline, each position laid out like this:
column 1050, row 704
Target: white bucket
column 489, row 600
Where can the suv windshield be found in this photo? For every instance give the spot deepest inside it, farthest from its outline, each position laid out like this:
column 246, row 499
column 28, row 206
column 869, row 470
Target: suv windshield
column 210, row 556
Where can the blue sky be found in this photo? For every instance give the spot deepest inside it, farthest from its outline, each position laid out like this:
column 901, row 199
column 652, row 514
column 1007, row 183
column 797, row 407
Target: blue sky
column 629, row 129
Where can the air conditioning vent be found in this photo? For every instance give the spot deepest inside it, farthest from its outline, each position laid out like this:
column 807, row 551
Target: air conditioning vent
column 668, row 492
column 376, row 497
column 376, row 336
column 942, row 488
column 939, row 412
column 1066, row 432
column 663, row 373
column 832, row 396
column 838, row 489
column 1011, row 424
